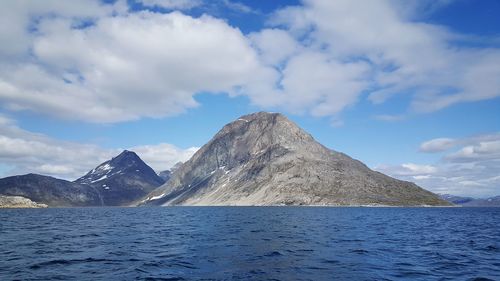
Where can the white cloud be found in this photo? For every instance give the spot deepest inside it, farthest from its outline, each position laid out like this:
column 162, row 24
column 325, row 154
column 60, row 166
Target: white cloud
column 419, row 169
column 274, row 45
column 103, row 63
column 27, row 152
column 238, row 6
column 482, row 150
column 470, row 170
column 173, row 4
column 163, row 156
column 387, row 35
column 127, row 67
column 437, row 145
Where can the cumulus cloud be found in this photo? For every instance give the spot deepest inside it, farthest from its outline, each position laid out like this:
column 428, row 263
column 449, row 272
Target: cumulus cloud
column 18, row 17
column 470, row 169
column 482, row 150
column 387, row 36
column 238, row 6
column 127, row 67
column 172, row 4
column 24, row 152
column 104, row 63
column 163, row 156
column 437, row 145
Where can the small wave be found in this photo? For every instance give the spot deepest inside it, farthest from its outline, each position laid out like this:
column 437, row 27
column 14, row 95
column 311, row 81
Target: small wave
column 273, row 254
column 164, row 279
column 491, row 248
column 330, row 261
column 359, row 251
column 185, row 264
column 66, row 262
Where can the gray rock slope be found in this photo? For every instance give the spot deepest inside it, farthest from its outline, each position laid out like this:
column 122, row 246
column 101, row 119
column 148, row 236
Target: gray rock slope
column 265, row 159
column 18, row 202
column 50, row 191
column 122, row 180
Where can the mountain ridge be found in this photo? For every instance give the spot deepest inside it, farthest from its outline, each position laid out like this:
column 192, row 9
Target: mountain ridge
column 116, row 182
column 472, row 202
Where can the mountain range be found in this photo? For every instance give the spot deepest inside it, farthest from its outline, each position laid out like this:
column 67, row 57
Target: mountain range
column 117, row 182
column 471, row 202
column 265, row 159
column 259, row 159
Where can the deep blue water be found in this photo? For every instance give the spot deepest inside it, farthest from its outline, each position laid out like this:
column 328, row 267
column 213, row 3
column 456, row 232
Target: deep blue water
column 250, row 243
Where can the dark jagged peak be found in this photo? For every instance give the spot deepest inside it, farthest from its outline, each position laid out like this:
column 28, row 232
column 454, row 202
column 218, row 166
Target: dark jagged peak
column 122, row 179
column 126, row 158
column 124, row 163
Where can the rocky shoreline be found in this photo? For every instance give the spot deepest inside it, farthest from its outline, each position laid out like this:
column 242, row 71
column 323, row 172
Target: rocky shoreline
column 19, row 202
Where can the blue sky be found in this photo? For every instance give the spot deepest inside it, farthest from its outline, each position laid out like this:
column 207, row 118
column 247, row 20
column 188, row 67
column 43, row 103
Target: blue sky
column 411, row 88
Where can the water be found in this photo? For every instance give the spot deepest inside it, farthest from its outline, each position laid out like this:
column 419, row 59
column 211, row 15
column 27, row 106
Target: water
column 231, row 243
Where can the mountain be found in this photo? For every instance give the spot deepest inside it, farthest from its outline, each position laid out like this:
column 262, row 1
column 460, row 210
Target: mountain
column 50, row 191
column 265, row 159
column 165, row 175
column 122, row 180
column 471, row 202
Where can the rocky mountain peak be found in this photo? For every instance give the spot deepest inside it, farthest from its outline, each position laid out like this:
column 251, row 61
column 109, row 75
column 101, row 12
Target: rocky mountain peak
column 251, row 136
column 126, row 158
column 127, row 161
column 266, row 159
column 122, row 179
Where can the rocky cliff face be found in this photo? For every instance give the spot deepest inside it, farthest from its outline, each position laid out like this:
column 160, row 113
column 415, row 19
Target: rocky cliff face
column 50, row 191
column 265, row 159
column 122, row 180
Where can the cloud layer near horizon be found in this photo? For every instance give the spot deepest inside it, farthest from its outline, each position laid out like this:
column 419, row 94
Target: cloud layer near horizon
column 468, row 167
column 26, row 152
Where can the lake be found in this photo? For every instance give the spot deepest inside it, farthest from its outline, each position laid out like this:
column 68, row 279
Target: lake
column 250, row 243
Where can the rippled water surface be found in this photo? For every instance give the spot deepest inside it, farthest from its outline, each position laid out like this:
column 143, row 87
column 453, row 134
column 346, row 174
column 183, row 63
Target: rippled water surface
column 242, row 243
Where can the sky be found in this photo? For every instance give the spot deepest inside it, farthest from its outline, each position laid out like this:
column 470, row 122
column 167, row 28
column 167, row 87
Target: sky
column 411, row 88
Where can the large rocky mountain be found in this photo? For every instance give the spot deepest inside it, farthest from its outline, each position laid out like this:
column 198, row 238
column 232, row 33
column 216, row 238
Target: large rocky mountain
column 50, row 191
column 122, row 180
column 265, row 159
column 471, row 202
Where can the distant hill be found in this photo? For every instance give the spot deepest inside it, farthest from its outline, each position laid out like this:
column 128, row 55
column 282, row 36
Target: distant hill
column 472, row 202
column 265, row 159
column 122, row 180
column 50, row 191
column 165, row 175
